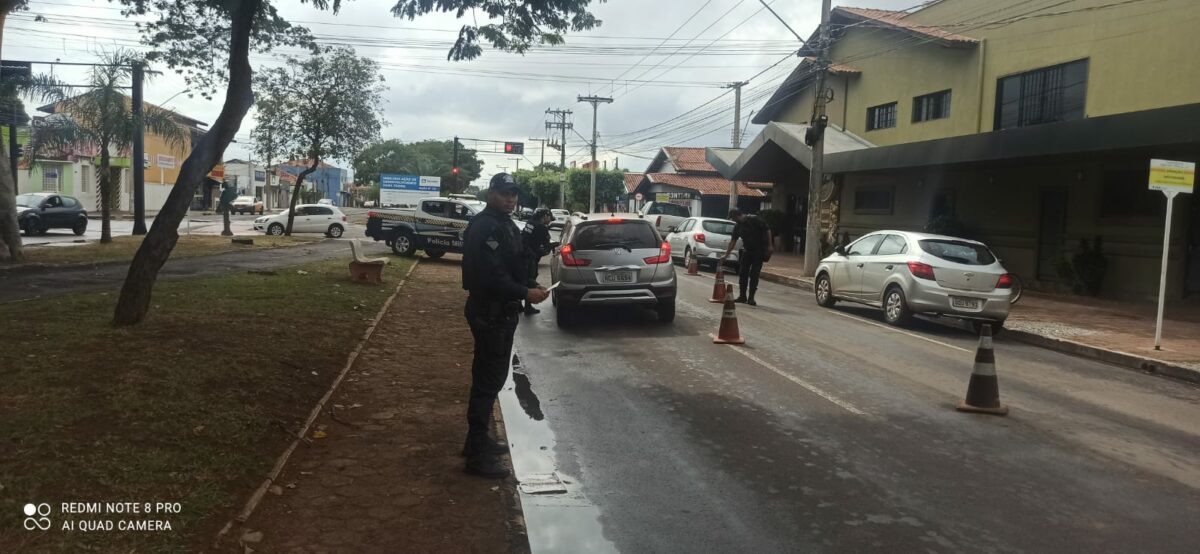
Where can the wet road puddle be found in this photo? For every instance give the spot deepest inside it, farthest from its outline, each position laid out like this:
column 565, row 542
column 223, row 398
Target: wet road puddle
column 558, row 516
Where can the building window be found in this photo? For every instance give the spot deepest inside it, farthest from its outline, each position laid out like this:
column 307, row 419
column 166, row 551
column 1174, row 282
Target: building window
column 50, row 178
column 1124, row 195
column 1044, row 95
column 881, row 117
column 85, row 177
column 873, row 201
column 931, row 106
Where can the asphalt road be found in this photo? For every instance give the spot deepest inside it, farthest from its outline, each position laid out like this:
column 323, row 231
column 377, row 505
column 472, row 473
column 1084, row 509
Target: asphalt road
column 829, row 431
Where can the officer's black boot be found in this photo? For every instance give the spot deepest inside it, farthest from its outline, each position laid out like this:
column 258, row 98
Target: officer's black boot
column 489, row 446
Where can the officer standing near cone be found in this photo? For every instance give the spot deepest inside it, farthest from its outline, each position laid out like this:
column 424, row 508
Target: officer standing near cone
column 756, row 248
column 495, row 273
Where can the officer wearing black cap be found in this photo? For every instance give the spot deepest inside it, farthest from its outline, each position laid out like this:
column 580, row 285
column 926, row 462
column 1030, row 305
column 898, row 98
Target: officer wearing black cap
column 494, row 272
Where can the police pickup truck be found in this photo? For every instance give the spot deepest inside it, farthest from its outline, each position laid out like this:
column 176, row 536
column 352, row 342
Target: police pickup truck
column 434, row 225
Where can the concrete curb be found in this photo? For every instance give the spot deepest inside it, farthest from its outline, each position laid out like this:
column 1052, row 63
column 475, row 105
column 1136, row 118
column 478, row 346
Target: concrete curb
column 1066, row 346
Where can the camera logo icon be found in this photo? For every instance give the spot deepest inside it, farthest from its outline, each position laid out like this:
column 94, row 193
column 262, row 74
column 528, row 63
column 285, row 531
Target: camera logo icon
column 36, row 517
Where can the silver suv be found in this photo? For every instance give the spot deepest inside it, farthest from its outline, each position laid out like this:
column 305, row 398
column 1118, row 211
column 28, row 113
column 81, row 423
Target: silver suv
column 612, row 259
column 917, row 273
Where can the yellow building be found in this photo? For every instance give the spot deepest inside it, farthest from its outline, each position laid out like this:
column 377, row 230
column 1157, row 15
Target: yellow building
column 1028, row 124
column 75, row 172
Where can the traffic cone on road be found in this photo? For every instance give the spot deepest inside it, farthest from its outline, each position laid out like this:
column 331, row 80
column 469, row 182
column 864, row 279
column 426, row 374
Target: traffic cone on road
column 729, row 333
column 719, row 288
column 693, row 267
column 983, row 391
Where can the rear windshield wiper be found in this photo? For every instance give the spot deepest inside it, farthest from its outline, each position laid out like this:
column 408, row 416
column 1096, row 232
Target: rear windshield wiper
column 612, row 245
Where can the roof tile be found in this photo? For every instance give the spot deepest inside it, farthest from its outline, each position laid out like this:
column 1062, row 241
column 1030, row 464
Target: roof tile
column 688, row 159
column 899, row 20
column 704, row 184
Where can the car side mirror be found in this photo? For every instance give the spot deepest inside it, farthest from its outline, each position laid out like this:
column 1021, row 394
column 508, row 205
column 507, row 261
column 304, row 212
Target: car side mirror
column 670, row 229
column 840, row 250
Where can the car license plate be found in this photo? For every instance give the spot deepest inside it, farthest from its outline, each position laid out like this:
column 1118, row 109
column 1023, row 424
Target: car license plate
column 618, row 277
column 965, row 303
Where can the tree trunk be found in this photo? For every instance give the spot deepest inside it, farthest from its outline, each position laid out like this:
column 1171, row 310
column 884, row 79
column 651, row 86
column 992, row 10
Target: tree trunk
column 106, row 196
column 134, row 302
column 296, row 192
column 10, row 234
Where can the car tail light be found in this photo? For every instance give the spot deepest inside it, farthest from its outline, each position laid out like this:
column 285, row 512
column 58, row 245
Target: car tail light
column 1005, row 282
column 614, row 220
column 699, row 237
column 663, row 257
column 658, row 221
column 568, row 257
column 343, row 218
column 920, row 270
column 370, row 214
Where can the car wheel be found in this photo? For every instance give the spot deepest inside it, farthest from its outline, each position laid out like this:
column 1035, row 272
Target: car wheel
column 335, row 231
column 435, row 254
column 977, row 326
column 80, row 227
column 403, row 245
column 895, row 307
column 564, row 315
column 275, row 229
column 824, row 291
column 666, row 311
column 31, row 227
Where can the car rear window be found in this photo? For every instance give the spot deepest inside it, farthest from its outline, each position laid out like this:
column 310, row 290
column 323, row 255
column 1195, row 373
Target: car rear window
column 958, row 252
column 600, row 235
column 719, row 227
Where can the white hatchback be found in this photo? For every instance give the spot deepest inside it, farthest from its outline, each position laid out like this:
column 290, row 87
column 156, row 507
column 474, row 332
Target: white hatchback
column 310, row 218
column 703, row 237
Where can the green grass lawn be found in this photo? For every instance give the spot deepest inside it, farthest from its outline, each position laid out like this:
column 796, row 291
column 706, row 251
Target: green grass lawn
column 123, row 248
column 192, row 406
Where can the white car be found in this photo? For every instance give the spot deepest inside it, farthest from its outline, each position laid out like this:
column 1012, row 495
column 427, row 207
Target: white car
column 310, row 218
column 325, row 202
column 704, row 237
column 560, row 218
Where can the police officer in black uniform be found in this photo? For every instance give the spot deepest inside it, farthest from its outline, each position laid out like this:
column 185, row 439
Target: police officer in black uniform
column 494, row 272
column 536, row 237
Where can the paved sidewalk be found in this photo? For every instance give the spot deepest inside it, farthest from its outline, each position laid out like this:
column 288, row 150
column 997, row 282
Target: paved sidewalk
column 382, row 472
column 1113, row 331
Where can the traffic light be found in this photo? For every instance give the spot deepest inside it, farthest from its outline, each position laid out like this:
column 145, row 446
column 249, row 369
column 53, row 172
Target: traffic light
column 514, row 148
column 454, row 171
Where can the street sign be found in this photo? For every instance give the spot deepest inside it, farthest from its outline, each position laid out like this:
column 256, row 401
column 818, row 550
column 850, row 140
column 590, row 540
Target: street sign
column 662, row 197
column 1168, row 175
column 165, row 161
column 1172, row 178
column 404, row 189
column 638, row 197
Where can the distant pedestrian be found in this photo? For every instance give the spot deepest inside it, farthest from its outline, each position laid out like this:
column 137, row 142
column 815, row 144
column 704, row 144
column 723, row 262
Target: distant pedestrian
column 536, row 237
column 756, row 248
column 494, row 272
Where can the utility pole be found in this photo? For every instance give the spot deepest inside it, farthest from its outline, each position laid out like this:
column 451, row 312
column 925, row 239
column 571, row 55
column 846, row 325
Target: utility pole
column 560, row 122
column 139, row 154
column 595, row 102
column 543, row 141
column 737, row 132
column 518, row 162
column 454, row 164
column 816, row 177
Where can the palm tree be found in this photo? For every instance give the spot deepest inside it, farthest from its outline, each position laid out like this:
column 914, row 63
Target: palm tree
column 101, row 118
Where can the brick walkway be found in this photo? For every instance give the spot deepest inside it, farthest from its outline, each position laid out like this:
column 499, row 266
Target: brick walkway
column 386, row 475
column 1126, row 327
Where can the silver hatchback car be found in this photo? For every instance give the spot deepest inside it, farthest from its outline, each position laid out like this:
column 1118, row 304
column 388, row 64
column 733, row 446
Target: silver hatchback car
column 612, row 259
column 908, row 273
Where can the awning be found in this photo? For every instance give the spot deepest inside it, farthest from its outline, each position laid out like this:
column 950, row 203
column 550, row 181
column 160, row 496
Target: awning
column 1145, row 129
column 778, row 150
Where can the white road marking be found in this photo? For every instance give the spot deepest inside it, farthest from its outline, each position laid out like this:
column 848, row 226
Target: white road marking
column 902, row 332
column 811, row 388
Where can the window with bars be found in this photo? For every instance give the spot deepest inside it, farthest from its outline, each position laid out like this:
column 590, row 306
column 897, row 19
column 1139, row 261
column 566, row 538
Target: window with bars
column 51, row 178
column 85, row 178
column 1045, row 95
column 881, row 117
column 931, row 106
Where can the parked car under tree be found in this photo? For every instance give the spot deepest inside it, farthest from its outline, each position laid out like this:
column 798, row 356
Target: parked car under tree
column 39, row 212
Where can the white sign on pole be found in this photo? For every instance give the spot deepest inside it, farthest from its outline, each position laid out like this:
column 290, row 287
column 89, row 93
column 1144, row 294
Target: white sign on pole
column 638, row 197
column 1172, row 178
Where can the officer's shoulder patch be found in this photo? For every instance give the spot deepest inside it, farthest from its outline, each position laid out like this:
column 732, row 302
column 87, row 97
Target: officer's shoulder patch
column 492, row 243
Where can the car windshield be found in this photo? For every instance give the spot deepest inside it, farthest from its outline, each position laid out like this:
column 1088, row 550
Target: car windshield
column 959, row 252
column 29, row 200
column 719, row 227
column 600, row 235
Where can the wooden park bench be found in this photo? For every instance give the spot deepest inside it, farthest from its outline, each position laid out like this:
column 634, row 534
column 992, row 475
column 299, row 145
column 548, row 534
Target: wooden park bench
column 366, row 270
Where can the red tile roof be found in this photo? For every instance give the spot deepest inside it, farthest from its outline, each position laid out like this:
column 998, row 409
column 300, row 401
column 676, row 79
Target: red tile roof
column 688, row 159
column 898, row 20
column 837, row 68
column 632, row 180
column 704, row 184
column 304, row 163
column 287, row 177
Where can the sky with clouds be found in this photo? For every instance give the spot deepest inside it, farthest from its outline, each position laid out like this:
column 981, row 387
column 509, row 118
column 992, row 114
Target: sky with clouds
column 503, row 96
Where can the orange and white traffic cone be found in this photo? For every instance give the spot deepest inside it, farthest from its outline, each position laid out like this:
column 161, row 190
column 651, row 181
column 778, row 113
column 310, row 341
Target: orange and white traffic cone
column 983, row 391
column 693, row 267
column 719, row 288
column 729, row 333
